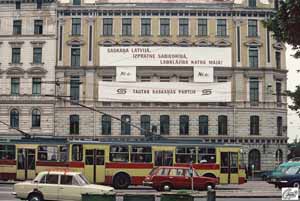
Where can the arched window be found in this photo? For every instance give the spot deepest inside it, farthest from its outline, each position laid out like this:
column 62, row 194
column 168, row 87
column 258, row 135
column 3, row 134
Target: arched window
column 184, row 125
column 145, row 124
column 222, row 125
column 106, row 125
column 74, row 124
column 254, row 159
column 125, row 125
column 36, row 118
column 164, row 124
column 203, row 125
column 279, row 156
column 14, row 118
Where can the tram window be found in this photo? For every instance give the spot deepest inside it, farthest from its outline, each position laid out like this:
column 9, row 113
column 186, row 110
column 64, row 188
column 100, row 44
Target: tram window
column 7, row 152
column 207, row 155
column 89, row 157
column 119, row 154
column 31, row 159
column 163, row 158
column 63, row 153
column 185, row 155
column 141, row 154
column 77, row 152
column 224, row 162
column 233, row 162
column 48, row 153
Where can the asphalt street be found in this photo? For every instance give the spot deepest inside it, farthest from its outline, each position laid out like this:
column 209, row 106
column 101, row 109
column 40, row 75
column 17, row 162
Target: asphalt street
column 6, row 190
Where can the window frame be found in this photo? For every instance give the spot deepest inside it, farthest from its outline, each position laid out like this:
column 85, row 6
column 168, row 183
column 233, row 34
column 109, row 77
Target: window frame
column 75, row 56
column 76, row 26
column 164, row 124
column 36, row 86
column 254, row 125
column 37, row 55
column 15, row 86
column 145, row 26
column 252, row 28
column 16, row 55
column 145, row 124
column 222, row 125
column 74, row 124
column 125, row 124
column 183, row 27
column 106, row 122
column 38, row 27
column 17, row 27
column 253, row 58
column 36, row 118
column 203, row 125
column 107, row 26
column 202, row 27
column 126, row 26
column 184, row 124
column 164, row 27
column 221, row 27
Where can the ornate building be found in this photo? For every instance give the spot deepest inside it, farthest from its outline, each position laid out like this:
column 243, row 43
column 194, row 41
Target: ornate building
column 27, row 67
column 206, row 70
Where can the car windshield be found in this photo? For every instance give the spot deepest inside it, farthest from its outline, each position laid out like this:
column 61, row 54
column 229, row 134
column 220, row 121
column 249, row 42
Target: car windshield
column 292, row 170
column 83, row 180
column 152, row 171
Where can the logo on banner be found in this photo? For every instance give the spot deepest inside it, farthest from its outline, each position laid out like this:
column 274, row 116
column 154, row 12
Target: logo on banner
column 121, row 91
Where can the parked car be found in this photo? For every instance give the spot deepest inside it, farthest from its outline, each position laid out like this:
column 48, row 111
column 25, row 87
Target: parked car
column 291, row 178
column 167, row 178
column 57, row 185
column 265, row 174
column 280, row 170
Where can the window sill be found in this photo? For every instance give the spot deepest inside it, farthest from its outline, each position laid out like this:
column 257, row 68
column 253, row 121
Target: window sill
column 15, row 64
column 226, row 36
column 36, row 128
column 37, row 64
column 183, row 36
column 164, row 36
column 202, row 36
column 145, row 36
column 121, row 35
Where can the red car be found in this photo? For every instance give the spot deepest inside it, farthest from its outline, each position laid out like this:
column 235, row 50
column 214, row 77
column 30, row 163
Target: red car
column 167, row 178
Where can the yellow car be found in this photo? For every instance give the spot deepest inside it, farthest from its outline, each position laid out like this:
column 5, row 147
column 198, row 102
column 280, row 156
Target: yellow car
column 58, row 185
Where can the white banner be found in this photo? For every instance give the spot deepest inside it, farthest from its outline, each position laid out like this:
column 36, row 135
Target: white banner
column 126, row 74
column 164, row 92
column 203, row 74
column 165, row 56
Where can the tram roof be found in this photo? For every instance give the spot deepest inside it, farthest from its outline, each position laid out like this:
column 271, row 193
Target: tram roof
column 160, row 142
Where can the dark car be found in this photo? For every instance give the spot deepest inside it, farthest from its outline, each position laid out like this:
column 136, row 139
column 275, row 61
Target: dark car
column 167, row 178
column 291, row 178
column 265, row 175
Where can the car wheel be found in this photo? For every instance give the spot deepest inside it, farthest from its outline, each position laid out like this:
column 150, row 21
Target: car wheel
column 296, row 184
column 121, row 181
column 166, row 187
column 35, row 197
column 209, row 186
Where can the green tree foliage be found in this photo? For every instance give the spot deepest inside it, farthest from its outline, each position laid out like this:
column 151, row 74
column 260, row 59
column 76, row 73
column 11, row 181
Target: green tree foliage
column 295, row 97
column 285, row 24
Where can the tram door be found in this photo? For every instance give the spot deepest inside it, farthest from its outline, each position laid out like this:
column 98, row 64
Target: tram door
column 94, row 168
column 229, row 168
column 25, row 163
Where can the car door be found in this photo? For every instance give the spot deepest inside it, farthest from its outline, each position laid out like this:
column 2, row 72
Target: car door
column 48, row 186
column 69, row 188
column 178, row 179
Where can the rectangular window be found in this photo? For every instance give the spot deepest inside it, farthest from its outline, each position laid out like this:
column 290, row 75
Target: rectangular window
column 37, row 55
column 126, row 27
column 15, row 86
column 36, row 86
column 238, row 38
column 184, row 125
column 76, row 26
column 145, row 79
column 206, row 155
column 221, row 27
column 254, row 125
column 183, row 27
column 48, row 153
column 75, row 56
column 253, row 58
column 183, row 79
column 107, row 26
column 119, row 153
column 145, row 26
column 252, row 3
column 164, row 27
column 164, row 124
column 7, row 152
column 17, row 27
column 278, row 60
column 164, row 79
column 222, row 125
column 141, row 154
column 252, row 28
column 75, row 88
column 18, row 5
column 202, row 27
column 74, row 124
column 185, row 155
column 76, row 2
column 278, row 92
column 16, row 56
column 254, row 91
column 125, row 125
column 94, row 157
column 145, row 124
column 203, row 125
column 38, row 26
column 39, row 4
column 279, row 126
column 106, row 125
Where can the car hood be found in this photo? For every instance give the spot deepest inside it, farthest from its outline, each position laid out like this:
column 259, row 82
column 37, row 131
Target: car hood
column 24, row 183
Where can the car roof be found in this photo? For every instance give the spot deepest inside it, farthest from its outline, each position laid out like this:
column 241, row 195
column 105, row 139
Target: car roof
column 289, row 164
column 60, row 172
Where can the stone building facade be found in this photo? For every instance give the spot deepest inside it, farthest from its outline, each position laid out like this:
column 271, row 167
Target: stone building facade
column 255, row 116
column 27, row 67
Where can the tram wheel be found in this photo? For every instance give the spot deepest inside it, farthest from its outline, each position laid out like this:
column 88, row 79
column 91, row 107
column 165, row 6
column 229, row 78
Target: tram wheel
column 121, row 181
